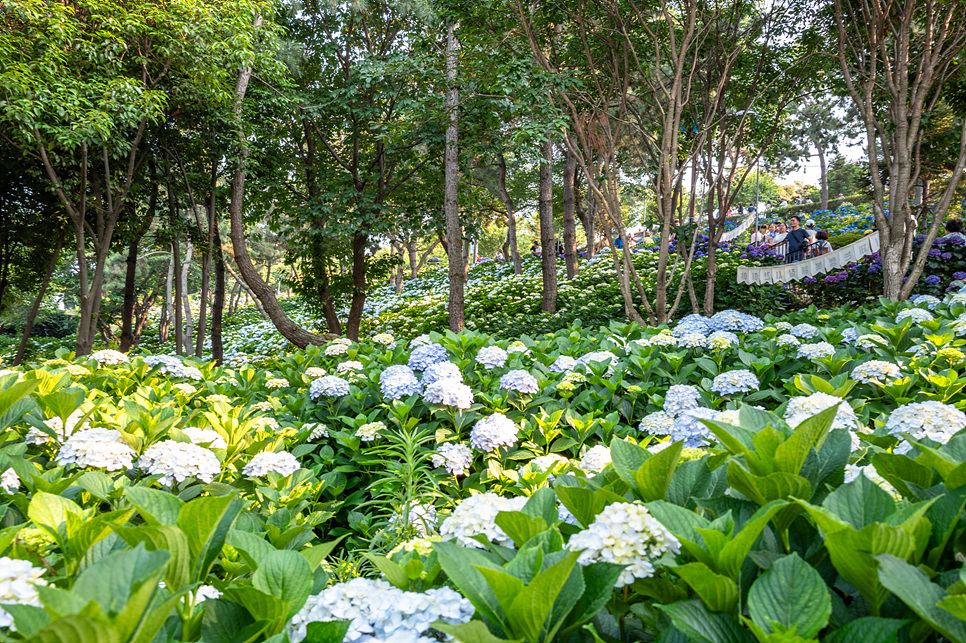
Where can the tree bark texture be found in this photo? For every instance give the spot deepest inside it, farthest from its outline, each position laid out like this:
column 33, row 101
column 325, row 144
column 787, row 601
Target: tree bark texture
column 570, row 215
column 451, row 211
column 548, row 250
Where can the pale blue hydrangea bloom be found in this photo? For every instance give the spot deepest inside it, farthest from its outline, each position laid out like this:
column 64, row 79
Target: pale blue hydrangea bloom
column 728, row 336
column 426, row 355
column 493, row 432
column 442, row 371
column 680, row 398
column 735, row 321
column 818, row 350
column 917, row 315
column 806, row 331
column 492, row 357
column 328, row 386
column 399, row 381
column 687, row 427
column 449, row 393
column 737, row 381
column 563, row 364
column 520, row 381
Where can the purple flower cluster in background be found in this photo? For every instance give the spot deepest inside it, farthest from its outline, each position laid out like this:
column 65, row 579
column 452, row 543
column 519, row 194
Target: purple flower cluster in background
column 933, row 280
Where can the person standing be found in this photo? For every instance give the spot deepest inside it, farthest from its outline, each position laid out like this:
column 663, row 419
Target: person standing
column 821, row 245
column 759, row 238
column 810, row 230
column 797, row 240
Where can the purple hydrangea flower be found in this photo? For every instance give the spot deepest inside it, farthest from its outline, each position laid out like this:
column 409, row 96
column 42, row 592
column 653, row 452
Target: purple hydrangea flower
column 956, row 241
column 810, row 280
column 959, row 276
column 933, row 253
column 946, row 255
column 933, row 280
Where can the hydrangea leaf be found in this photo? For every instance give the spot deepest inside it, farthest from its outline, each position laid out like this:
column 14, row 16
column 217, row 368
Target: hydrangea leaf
column 792, row 594
column 718, row 592
column 914, row 588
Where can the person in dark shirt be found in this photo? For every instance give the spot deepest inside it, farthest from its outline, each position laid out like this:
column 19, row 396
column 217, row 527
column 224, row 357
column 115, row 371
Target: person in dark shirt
column 797, row 240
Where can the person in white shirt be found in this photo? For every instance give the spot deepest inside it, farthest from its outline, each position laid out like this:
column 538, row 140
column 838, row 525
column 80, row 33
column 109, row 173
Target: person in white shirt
column 782, row 233
column 810, row 230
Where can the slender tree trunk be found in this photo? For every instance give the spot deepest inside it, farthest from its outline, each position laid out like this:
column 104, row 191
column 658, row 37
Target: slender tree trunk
column 218, row 303
column 823, row 178
column 188, row 326
column 511, row 216
column 206, row 265
column 288, row 328
column 164, row 325
column 413, row 251
column 588, row 220
column 549, row 255
column 454, row 230
column 32, row 315
column 570, row 218
column 130, row 296
column 358, row 302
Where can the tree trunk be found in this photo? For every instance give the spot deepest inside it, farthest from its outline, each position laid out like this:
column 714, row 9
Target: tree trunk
column 358, row 303
column 32, row 315
column 218, row 303
column 130, row 296
column 588, row 217
column 164, row 326
column 454, row 230
column 288, row 328
column 570, row 218
column 188, row 326
column 413, row 250
column 823, row 178
column 511, row 216
column 206, row 264
column 548, row 254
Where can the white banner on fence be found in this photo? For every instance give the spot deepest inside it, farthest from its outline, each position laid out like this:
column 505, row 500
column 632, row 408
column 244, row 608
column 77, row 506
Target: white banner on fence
column 810, row 267
column 728, row 236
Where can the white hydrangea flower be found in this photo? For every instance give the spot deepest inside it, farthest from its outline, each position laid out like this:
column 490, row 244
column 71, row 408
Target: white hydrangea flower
column 492, row 357
column 18, row 586
column 367, row 432
column 664, row 338
column 689, row 428
column 493, row 432
column 787, row 340
column 342, row 341
column 550, row 462
column 445, row 370
column 178, row 461
column 680, row 398
column 10, row 371
column 819, row 350
column 422, row 340
column 928, row 301
column 9, row 482
column 110, row 357
column 335, row 350
column 184, row 388
column 55, row 424
column 206, row 593
column 625, row 533
column 349, row 366
column 801, row 408
column 218, row 397
column 926, row 420
column 476, row 516
column 328, row 386
column 721, row 337
column 319, row 431
column 854, row 471
column 79, row 371
column 518, row 347
column 205, row 437
column 804, row 331
column 869, row 341
column 917, row 315
column 563, row 364
column 281, row 462
column 449, row 393
column 875, row 372
column 276, row 382
column 97, row 448
column 729, row 416
column 693, row 340
column 315, row 372
column 595, row 459
column 604, row 357
column 783, row 326
column 265, row 424
column 520, row 381
column 657, row 423
column 737, row 381
column 959, row 299
column 264, row 406
column 381, row 613
column 454, row 457
column 384, row 339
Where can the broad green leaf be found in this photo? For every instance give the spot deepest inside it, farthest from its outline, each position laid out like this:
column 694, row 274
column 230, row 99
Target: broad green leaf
column 627, row 458
column 472, row 632
column 285, row 574
column 852, row 554
column 599, row 581
column 206, row 522
column 111, row 580
column 542, row 504
column 393, row 572
column 868, row 629
column 327, row 631
column 28, row 619
column 718, row 592
column 701, row 625
column 519, row 526
column 790, row 456
column 790, row 594
column 76, row 629
column 860, row 503
column 252, row 547
column 735, row 551
column 765, row 489
column 156, row 507
column 164, row 538
column 914, row 588
column 49, row 512
column 225, row 621
column 651, row 480
column 531, row 607
column 461, row 566
column 506, row 588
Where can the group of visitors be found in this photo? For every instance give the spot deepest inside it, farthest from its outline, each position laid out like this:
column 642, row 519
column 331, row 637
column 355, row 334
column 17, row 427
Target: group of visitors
column 792, row 240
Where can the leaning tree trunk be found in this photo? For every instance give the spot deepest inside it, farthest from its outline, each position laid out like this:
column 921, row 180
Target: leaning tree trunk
column 265, row 294
column 570, row 218
column 451, row 212
column 218, row 302
column 32, row 315
column 548, row 254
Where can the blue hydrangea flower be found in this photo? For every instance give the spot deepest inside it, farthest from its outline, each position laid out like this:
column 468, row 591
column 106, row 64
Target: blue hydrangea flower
column 680, row 398
column 520, row 381
column 492, row 357
column 687, row 427
column 426, row 355
column 442, row 371
column 805, row 330
column 399, row 381
column 737, row 381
